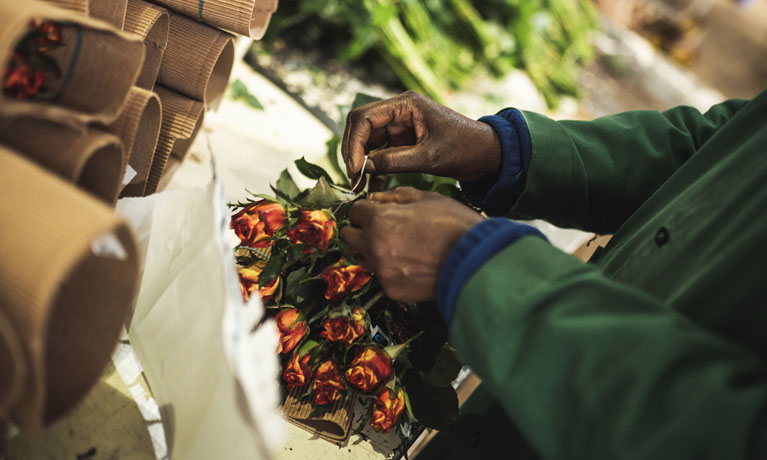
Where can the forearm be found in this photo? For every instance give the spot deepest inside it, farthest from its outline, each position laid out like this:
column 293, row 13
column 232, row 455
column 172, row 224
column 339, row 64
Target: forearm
column 589, row 368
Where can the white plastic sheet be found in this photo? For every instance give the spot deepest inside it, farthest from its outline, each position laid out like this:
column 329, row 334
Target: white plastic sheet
column 213, row 377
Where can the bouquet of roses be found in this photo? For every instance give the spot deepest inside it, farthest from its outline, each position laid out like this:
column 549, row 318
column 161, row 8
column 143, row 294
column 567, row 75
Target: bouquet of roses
column 26, row 72
column 340, row 336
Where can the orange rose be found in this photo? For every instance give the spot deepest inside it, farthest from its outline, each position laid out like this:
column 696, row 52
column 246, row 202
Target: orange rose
column 297, row 374
column 386, row 411
column 249, row 283
column 370, row 367
column 314, row 229
column 328, row 386
column 256, row 224
column 345, row 329
column 291, row 327
column 343, row 279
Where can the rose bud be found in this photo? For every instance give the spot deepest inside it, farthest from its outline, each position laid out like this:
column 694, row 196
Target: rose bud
column 328, row 386
column 298, row 371
column 343, row 279
column 345, row 329
column 370, row 367
column 256, row 224
column 291, row 326
column 314, row 229
column 386, row 411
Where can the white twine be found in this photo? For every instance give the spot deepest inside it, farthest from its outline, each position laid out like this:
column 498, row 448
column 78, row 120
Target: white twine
column 359, row 181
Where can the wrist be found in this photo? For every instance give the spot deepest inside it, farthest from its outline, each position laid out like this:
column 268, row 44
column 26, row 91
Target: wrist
column 487, row 149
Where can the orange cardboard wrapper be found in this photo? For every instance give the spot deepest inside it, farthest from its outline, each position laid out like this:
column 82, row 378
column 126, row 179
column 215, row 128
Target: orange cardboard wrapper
column 138, row 127
column 81, row 6
column 197, row 61
column 244, row 17
column 182, row 118
column 111, row 11
column 68, row 277
column 151, row 23
column 13, row 367
column 93, row 160
column 98, row 63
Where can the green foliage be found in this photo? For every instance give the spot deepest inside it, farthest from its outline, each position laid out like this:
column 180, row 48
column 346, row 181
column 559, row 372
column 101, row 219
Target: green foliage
column 240, row 92
column 437, row 46
column 434, row 406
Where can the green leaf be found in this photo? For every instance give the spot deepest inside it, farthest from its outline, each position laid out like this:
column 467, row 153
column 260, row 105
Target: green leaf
column 311, row 170
column 332, row 145
column 446, row 368
column 287, row 185
column 240, row 92
column 293, row 280
column 434, row 406
column 272, row 269
column 322, row 196
column 361, row 99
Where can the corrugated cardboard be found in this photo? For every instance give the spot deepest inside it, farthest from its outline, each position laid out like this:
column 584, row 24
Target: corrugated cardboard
column 335, row 425
column 244, row 17
column 93, row 160
column 81, row 6
column 138, row 127
column 68, row 276
column 13, row 367
column 111, row 11
column 197, row 61
column 99, row 64
column 152, row 24
column 181, row 121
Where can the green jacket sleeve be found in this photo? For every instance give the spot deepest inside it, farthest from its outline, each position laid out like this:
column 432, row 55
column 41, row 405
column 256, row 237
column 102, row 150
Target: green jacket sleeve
column 593, row 174
column 590, row 368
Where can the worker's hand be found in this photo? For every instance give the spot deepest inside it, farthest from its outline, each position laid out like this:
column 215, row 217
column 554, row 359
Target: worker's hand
column 421, row 136
column 404, row 236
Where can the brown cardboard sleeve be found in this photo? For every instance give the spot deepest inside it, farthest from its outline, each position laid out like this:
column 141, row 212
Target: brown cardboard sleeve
column 138, row 127
column 81, row 6
column 99, row 64
column 182, row 118
column 13, row 367
column 111, row 11
column 68, row 276
column 244, row 17
column 335, row 425
column 151, row 23
column 197, row 61
column 93, row 160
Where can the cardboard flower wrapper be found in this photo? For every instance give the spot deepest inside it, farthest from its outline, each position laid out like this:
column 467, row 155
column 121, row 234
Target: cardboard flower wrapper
column 111, row 11
column 81, row 6
column 335, row 425
column 151, row 23
column 245, row 17
column 14, row 368
column 138, row 127
column 197, row 61
column 88, row 44
column 214, row 379
column 93, row 160
column 182, row 118
column 68, row 275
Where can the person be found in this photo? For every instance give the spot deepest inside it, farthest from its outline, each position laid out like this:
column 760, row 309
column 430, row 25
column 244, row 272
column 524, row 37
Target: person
column 656, row 348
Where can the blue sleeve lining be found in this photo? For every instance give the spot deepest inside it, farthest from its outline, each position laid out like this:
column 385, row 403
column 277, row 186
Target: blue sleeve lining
column 497, row 193
column 471, row 251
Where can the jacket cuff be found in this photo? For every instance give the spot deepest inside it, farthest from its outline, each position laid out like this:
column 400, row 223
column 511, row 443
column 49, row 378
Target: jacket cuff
column 471, row 251
column 497, row 193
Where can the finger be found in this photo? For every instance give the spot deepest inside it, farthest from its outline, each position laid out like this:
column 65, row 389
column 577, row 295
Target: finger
column 364, row 120
column 359, row 183
column 400, row 195
column 354, row 238
column 361, row 213
column 345, row 147
column 398, row 160
column 377, row 183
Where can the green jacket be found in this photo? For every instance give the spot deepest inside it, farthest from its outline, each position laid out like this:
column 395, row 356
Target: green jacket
column 658, row 347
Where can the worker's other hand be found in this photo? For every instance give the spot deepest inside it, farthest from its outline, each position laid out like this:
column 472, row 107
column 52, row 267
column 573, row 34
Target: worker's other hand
column 421, row 136
column 404, row 236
